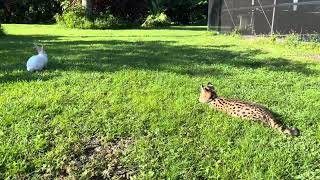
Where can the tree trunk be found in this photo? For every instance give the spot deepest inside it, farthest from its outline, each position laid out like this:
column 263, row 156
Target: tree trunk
column 87, row 4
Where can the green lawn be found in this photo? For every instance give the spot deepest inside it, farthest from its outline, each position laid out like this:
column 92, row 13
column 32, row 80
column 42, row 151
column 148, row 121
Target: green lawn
column 118, row 103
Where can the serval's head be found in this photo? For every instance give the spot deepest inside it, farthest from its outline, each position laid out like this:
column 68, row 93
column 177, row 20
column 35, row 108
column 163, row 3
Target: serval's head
column 207, row 94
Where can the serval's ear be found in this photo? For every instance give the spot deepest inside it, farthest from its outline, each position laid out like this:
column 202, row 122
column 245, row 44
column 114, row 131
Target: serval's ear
column 203, row 88
column 210, row 86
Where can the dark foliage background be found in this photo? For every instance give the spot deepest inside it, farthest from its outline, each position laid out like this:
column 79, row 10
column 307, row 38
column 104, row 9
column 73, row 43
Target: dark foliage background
column 29, row 11
column 43, row 11
column 130, row 9
column 187, row 11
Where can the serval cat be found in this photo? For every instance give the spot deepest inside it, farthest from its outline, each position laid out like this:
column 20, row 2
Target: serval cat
column 242, row 109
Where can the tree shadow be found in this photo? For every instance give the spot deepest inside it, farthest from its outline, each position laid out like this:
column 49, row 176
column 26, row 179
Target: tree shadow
column 189, row 28
column 18, row 41
column 114, row 55
column 26, row 76
column 149, row 36
column 15, row 51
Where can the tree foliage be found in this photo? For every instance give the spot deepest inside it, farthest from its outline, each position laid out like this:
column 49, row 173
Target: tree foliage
column 187, row 11
column 133, row 11
column 181, row 11
column 29, row 11
column 77, row 16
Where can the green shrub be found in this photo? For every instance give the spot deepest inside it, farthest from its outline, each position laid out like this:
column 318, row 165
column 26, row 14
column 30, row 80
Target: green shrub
column 100, row 23
column 236, row 31
column 75, row 18
column 292, row 39
column 157, row 20
column 314, row 38
column 112, row 22
column 72, row 20
column 273, row 38
column 109, row 22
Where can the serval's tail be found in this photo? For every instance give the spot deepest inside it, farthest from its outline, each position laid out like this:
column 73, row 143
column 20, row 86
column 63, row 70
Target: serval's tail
column 288, row 131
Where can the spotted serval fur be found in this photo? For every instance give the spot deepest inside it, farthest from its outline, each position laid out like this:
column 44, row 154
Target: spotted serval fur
column 242, row 109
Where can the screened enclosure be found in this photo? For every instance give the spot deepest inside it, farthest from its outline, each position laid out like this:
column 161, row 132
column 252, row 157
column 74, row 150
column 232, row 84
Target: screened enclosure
column 265, row 16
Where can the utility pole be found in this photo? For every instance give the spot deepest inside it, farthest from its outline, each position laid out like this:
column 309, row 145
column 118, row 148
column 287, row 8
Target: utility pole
column 252, row 19
column 273, row 14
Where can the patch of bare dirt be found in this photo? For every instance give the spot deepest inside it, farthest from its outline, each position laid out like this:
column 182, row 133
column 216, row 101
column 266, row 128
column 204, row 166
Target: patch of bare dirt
column 315, row 57
column 99, row 160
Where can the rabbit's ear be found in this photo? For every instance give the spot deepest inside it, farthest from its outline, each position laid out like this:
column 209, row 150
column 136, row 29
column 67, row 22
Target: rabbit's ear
column 42, row 50
column 37, row 48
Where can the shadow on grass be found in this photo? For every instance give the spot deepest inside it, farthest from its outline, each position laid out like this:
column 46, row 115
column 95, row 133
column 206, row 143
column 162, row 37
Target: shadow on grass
column 114, row 55
column 189, row 28
column 26, row 76
column 184, row 28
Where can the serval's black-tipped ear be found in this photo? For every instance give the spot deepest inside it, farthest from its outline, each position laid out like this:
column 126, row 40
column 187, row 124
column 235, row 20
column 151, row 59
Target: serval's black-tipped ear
column 210, row 86
column 202, row 87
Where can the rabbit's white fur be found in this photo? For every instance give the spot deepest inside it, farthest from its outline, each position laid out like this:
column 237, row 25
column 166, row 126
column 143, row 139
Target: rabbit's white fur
column 37, row 62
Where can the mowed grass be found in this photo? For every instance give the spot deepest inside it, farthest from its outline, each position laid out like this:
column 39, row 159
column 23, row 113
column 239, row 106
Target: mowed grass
column 102, row 88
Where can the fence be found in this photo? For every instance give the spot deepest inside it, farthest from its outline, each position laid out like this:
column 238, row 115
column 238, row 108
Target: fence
column 265, row 16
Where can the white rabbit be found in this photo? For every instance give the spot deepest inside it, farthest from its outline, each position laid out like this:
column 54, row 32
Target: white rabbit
column 37, row 62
